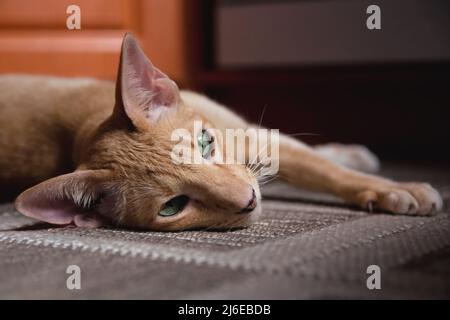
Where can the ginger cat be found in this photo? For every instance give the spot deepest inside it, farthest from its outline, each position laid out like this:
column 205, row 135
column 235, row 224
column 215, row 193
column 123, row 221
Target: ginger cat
column 91, row 157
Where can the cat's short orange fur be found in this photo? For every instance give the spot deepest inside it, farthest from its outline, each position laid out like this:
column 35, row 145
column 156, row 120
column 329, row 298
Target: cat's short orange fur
column 91, row 154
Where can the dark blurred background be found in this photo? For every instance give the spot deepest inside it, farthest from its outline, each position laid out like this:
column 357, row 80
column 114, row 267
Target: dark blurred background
column 312, row 65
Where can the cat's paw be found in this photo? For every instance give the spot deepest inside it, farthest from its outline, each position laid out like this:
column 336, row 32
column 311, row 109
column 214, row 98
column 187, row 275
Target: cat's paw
column 353, row 156
column 402, row 198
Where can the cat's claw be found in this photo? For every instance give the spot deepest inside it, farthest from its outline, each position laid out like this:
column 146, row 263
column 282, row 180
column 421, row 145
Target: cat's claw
column 370, row 206
column 402, row 198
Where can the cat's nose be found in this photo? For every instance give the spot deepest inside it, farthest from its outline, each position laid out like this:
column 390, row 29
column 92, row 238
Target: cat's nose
column 251, row 204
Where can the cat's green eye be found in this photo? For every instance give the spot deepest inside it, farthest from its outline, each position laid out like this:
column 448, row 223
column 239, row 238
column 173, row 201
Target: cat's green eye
column 173, row 206
column 205, row 143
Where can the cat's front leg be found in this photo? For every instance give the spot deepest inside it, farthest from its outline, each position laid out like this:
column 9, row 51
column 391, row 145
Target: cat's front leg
column 302, row 166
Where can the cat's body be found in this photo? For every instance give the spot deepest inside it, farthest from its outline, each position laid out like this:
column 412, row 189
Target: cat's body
column 39, row 143
column 118, row 144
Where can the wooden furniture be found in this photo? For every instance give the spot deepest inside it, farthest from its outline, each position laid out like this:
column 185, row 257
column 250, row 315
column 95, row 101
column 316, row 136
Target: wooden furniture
column 34, row 37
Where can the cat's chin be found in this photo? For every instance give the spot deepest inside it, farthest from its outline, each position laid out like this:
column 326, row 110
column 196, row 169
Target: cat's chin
column 242, row 221
column 250, row 218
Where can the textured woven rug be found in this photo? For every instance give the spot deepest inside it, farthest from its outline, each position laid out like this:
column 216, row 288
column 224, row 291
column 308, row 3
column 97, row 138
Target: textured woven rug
column 305, row 246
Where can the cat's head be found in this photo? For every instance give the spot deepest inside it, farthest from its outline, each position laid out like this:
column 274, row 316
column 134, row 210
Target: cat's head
column 127, row 175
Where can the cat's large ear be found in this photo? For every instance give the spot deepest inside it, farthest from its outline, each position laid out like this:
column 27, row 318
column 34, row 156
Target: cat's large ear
column 69, row 198
column 143, row 92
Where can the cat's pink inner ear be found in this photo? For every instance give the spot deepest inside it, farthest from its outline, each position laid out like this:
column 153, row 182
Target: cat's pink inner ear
column 41, row 207
column 145, row 90
column 60, row 200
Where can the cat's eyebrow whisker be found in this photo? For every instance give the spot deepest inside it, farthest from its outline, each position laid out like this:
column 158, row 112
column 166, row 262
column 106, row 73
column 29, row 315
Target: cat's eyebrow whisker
column 303, row 134
column 262, row 116
column 262, row 149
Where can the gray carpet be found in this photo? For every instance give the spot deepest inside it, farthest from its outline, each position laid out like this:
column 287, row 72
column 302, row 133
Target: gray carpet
column 305, row 246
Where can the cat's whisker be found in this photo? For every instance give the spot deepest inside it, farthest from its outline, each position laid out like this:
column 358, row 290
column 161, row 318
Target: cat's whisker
column 254, row 165
column 216, row 225
column 226, row 225
column 262, row 116
column 263, row 179
column 298, row 134
column 213, row 227
column 258, row 172
column 233, row 223
column 268, row 180
column 261, row 168
column 259, row 152
column 261, row 174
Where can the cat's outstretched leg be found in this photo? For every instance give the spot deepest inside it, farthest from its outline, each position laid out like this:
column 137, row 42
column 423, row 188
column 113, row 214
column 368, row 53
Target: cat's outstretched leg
column 300, row 165
column 353, row 156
